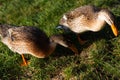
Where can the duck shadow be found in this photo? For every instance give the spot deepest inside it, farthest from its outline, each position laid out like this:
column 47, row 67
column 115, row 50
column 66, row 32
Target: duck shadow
column 89, row 36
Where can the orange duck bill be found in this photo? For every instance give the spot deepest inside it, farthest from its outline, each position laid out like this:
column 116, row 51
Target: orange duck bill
column 114, row 29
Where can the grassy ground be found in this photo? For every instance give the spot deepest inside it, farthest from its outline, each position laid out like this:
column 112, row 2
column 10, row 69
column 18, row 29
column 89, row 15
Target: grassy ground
column 99, row 58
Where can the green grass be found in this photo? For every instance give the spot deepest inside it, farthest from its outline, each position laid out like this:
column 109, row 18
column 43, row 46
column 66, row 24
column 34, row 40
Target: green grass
column 99, row 59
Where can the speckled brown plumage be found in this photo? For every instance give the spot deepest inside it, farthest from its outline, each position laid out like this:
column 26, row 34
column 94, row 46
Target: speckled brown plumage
column 26, row 40
column 88, row 18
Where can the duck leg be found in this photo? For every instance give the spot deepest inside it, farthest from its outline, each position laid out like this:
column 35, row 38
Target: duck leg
column 82, row 42
column 25, row 63
column 73, row 48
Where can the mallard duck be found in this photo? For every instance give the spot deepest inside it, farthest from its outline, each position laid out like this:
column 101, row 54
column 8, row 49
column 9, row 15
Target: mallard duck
column 31, row 40
column 87, row 18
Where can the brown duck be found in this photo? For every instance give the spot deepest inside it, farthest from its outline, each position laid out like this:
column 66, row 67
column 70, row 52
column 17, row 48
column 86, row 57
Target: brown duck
column 31, row 40
column 87, row 18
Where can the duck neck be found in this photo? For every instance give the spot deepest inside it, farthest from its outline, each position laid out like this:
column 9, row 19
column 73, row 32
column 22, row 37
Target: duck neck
column 106, row 16
column 51, row 48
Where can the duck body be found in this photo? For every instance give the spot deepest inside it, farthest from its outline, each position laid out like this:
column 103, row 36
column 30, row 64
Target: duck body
column 26, row 40
column 87, row 18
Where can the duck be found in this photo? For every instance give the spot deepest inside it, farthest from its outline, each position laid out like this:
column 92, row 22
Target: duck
column 87, row 18
column 32, row 40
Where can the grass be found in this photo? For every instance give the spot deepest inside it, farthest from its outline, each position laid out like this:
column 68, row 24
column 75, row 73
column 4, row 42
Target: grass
column 99, row 59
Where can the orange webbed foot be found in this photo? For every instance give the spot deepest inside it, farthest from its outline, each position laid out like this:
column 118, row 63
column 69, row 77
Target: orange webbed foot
column 25, row 64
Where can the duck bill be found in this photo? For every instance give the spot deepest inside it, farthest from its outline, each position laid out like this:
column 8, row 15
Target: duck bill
column 114, row 29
